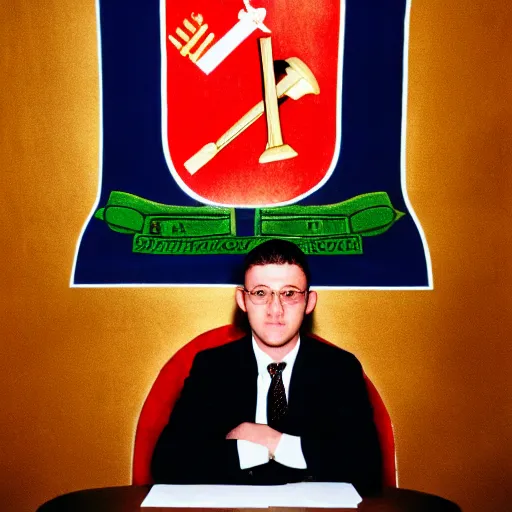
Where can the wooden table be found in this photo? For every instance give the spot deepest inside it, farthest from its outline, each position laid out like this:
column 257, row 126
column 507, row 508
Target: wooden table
column 129, row 498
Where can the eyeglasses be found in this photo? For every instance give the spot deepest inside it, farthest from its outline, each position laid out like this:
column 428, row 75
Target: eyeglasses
column 264, row 295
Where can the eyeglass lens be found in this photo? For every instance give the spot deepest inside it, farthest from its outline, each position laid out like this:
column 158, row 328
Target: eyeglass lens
column 263, row 295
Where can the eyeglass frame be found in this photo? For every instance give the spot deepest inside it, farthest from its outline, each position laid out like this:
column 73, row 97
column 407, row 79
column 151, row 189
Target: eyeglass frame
column 277, row 293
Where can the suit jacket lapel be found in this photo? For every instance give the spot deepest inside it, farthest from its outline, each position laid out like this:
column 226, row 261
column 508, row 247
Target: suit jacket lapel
column 297, row 394
column 245, row 374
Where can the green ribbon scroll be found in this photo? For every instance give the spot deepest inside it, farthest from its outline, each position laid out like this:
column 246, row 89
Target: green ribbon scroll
column 327, row 230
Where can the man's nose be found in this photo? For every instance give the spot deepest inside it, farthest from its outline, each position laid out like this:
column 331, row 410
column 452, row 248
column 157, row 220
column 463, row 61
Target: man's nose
column 275, row 306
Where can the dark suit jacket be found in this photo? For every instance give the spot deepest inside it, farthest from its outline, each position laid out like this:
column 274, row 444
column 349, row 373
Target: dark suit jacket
column 328, row 407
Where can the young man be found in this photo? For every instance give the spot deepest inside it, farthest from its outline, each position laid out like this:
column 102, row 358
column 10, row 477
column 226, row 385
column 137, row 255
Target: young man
column 275, row 406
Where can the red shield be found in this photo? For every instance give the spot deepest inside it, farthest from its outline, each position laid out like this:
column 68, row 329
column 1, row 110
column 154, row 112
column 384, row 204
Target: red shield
column 211, row 83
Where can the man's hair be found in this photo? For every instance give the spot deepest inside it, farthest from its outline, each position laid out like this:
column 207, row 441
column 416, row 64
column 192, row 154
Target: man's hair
column 278, row 252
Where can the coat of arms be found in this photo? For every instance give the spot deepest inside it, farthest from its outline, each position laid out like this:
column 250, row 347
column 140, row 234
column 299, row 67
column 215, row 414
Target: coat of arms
column 251, row 96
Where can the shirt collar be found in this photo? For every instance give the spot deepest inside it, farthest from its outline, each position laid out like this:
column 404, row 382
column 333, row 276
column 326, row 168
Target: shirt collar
column 263, row 359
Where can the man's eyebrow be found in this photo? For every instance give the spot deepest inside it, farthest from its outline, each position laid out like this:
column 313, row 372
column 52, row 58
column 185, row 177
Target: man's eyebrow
column 284, row 286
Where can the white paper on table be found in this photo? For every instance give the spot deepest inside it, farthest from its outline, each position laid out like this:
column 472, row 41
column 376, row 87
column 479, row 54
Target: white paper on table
column 206, row 496
column 304, row 494
column 318, row 495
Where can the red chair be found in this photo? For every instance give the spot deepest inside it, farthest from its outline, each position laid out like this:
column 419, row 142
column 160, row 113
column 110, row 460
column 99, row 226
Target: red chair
column 169, row 382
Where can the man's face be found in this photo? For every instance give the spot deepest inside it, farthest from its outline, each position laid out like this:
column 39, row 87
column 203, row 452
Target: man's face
column 276, row 324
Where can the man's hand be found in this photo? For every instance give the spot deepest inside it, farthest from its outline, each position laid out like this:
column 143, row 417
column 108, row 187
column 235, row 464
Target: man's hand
column 257, row 433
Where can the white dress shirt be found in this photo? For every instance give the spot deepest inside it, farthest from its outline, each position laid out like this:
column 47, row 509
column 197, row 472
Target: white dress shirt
column 289, row 450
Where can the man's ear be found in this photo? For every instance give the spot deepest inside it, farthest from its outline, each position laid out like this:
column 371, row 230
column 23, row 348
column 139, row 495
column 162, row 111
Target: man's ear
column 310, row 306
column 240, row 299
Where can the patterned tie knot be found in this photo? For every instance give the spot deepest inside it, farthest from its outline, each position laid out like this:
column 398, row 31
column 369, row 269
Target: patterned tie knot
column 276, row 368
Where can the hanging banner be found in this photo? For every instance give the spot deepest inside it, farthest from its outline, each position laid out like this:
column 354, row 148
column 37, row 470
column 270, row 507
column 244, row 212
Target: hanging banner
column 229, row 122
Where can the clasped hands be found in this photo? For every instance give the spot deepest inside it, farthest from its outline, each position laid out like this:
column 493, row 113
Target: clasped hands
column 257, row 433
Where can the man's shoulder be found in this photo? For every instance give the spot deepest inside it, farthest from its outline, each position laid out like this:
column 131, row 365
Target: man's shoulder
column 226, row 351
column 328, row 352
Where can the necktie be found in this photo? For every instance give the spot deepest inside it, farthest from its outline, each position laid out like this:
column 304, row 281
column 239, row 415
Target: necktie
column 276, row 398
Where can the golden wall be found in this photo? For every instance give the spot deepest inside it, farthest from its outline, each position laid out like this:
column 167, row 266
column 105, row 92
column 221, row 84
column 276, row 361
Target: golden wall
column 76, row 363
